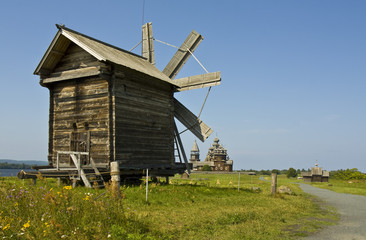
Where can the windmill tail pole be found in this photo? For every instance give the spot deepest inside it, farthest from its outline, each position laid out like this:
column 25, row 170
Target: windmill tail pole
column 116, row 179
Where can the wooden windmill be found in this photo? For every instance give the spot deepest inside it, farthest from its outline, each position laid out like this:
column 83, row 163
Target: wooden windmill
column 184, row 52
column 110, row 105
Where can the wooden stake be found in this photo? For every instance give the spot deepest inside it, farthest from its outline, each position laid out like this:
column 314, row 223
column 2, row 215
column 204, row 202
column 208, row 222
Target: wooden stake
column 274, row 183
column 116, row 179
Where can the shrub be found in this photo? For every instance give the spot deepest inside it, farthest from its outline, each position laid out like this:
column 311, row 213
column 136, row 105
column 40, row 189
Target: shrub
column 206, row 168
column 349, row 174
column 291, row 172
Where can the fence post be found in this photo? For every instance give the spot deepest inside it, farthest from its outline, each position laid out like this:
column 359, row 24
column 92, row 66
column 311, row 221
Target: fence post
column 116, row 179
column 239, row 182
column 274, row 183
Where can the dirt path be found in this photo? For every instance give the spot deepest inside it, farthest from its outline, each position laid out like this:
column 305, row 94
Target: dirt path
column 352, row 208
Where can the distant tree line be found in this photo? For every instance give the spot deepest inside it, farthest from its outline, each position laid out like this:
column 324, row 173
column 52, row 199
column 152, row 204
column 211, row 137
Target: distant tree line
column 291, row 171
column 5, row 165
column 348, row 174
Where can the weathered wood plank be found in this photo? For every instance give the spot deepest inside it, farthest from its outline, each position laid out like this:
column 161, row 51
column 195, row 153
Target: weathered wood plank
column 75, row 57
column 198, row 81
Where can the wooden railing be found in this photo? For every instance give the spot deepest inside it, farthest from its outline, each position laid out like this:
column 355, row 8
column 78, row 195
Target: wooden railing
column 76, row 158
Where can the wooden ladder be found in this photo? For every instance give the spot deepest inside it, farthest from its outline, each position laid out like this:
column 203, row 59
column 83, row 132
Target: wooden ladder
column 99, row 180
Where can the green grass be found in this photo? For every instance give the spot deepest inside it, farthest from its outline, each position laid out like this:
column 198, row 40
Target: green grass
column 207, row 206
column 344, row 186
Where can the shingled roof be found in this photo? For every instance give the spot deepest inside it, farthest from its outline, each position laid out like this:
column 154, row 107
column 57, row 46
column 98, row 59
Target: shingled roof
column 102, row 51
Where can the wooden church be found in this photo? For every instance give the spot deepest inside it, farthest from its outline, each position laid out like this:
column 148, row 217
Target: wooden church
column 107, row 104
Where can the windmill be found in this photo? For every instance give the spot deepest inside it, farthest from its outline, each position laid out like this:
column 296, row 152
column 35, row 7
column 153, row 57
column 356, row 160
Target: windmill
column 183, row 53
column 110, row 105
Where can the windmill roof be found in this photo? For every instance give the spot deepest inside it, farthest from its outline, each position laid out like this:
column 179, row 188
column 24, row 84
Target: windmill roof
column 102, row 51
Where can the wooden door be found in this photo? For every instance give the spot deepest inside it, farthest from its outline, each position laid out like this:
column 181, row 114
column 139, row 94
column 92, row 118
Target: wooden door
column 80, row 142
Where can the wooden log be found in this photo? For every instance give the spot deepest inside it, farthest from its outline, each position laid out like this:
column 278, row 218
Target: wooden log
column 274, row 183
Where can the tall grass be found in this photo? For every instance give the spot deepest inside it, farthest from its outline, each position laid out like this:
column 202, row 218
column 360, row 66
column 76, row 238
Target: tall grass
column 203, row 207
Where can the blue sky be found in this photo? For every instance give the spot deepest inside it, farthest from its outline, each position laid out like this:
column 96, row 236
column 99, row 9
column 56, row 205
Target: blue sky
column 293, row 73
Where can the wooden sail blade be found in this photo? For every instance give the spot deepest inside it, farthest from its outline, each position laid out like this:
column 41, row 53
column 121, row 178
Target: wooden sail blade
column 148, row 43
column 191, row 121
column 182, row 55
column 198, row 81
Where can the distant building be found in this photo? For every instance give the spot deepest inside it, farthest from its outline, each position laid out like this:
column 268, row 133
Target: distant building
column 217, row 158
column 316, row 175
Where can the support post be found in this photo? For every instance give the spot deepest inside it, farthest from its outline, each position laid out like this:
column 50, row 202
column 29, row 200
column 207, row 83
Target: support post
column 58, row 181
column 74, row 183
column 34, row 180
column 274, row 183
column 116, row 179
column 167, row 179
column 57, row 162
column 181, row 148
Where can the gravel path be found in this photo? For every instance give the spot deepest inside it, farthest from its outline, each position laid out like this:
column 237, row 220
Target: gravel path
column 352, row 208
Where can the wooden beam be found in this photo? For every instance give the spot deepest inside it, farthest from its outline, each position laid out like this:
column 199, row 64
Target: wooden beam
column 182, row 55
column 71, row 74
column 198, row 81
column 148, row 43
column 180, row 144
column 191, row 121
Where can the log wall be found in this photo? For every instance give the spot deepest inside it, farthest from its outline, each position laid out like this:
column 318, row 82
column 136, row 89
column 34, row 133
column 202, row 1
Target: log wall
column 81, row 106
column 126, row 116
column 143, row 120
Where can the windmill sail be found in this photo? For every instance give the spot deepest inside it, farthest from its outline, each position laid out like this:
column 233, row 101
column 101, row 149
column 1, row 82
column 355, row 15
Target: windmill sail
column 182, row 55
column 198, row 81
column 191, row 121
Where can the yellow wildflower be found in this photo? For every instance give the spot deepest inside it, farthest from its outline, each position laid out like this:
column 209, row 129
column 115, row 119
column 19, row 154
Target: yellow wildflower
column 15, row 204
column 51, row 189
column 68, row 187
column 7, row 226
column 27, row 225
column 86, row 198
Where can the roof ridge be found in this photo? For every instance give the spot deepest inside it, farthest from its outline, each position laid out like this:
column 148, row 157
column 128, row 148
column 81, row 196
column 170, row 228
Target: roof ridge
column 62, row 27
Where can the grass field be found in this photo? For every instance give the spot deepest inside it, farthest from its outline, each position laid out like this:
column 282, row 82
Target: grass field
column 344, row 186
column 206, row 206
